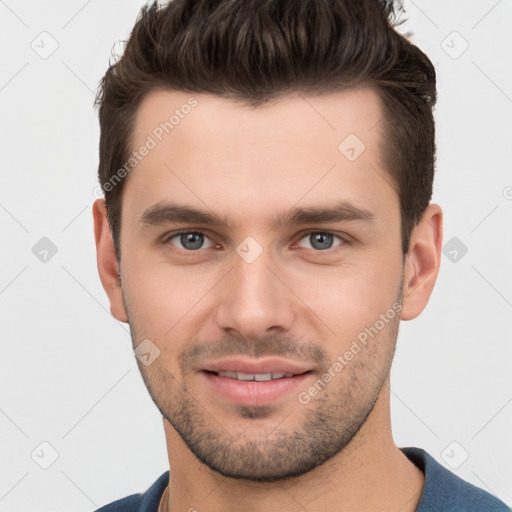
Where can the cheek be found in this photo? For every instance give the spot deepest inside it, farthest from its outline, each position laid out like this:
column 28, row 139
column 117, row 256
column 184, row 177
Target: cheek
column 349, row 298
column 164, row 299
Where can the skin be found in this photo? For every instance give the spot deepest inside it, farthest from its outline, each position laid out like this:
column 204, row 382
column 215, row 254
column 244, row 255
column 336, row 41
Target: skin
column 294, row 301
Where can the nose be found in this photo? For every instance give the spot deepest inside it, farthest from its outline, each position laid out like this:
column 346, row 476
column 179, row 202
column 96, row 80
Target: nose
column 255, row 299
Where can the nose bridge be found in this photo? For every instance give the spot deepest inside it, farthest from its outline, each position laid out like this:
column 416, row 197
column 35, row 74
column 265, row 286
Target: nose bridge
column 254, row 299
column 253, row 280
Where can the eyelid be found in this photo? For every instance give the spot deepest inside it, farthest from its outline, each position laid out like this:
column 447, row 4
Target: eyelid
column 345, row 239
column 165, row 239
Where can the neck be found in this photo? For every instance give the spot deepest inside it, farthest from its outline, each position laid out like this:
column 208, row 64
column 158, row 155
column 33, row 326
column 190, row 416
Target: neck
column 369, row 474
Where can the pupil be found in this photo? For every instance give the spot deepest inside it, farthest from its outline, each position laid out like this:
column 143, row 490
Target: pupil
column 321, row 241
column 191, row 240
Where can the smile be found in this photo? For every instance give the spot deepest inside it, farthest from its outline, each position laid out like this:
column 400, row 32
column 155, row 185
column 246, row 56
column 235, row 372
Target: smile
column 254, row 376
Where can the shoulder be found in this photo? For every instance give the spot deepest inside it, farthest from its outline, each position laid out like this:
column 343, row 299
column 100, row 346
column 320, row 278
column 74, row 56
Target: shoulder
column 142, row 502
column 445, row 491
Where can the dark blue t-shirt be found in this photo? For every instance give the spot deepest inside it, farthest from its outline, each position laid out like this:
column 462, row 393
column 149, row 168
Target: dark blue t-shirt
column 443, row 491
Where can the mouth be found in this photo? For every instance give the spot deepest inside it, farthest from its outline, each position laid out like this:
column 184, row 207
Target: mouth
column 259, row 377
column 254, row 383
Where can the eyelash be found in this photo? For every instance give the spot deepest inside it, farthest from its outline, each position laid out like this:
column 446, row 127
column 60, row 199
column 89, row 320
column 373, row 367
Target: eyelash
column 344, row 239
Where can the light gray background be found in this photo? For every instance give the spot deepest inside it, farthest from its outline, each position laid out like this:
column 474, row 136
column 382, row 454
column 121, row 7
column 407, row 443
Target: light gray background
column 69, row 377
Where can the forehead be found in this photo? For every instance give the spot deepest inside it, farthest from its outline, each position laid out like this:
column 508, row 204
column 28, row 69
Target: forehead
column 303, row 118
column 226, row 154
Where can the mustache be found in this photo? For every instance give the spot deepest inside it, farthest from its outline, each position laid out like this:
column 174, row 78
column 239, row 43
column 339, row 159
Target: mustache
column 288, row 347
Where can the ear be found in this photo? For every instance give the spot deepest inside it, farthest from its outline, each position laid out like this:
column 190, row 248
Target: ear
column 108, row 266
column 422, row 262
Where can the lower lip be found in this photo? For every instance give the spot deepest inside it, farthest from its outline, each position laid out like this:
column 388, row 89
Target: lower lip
column 252, row 392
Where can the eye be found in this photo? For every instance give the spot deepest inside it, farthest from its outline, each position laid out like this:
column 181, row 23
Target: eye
column 320, row 240
column 190, row 240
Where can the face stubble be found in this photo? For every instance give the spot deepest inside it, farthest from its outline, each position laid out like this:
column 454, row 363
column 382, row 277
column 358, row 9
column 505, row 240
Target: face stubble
column 327, row 424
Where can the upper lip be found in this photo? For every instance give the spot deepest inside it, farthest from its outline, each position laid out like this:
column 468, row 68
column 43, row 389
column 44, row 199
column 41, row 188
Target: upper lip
column 244, row 365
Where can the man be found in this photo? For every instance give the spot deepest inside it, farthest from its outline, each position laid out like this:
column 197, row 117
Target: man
column 268, row 169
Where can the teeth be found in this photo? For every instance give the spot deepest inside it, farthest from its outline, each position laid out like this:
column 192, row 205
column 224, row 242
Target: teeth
column 244, row 376
column 265, row 376
column 254, row 376
column 231, row 375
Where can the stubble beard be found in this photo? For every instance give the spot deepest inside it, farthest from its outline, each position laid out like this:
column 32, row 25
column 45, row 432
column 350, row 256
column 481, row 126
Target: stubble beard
column 326, row 427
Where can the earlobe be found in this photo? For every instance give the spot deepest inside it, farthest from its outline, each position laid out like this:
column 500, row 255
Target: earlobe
column 422, row 262
column 108, row 266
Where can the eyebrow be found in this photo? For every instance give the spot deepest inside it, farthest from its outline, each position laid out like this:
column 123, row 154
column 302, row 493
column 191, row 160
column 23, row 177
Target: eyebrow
column 340, row 211
column 172, row 213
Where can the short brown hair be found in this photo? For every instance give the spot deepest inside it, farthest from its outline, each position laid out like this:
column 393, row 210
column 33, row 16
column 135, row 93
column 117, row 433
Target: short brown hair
column 254, row 51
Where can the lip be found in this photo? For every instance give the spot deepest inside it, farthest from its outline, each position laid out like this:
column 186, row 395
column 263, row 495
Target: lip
column 247, row 365
column 252, row 392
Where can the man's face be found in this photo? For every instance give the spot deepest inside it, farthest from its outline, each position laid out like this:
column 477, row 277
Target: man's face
column 270, row 292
